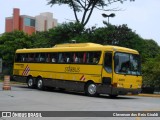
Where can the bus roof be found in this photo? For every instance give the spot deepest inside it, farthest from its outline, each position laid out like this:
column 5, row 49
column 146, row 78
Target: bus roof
column 78, row 47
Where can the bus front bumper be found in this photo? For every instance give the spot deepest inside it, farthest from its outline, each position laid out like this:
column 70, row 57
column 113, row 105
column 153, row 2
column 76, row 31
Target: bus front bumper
column 124, row 91
column 106, row 89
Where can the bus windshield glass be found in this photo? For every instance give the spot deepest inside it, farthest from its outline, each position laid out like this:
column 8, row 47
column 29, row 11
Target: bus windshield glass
column 127, row 64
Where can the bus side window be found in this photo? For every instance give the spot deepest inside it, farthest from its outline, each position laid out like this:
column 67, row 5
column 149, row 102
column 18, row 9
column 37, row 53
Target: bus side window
column 23, row 57
column 42, row 57
column 95, row 60
column 81, row 57
column 18, row 58
column 53, row 57
column 48, row 57
column 60, row 58
column 75, row 58
column 68, row 57
column 31, row 57
column 88, row 57
column 98, row 55
column 84, row 57
column 93, row 57
column 37, row 57
column 71, row 58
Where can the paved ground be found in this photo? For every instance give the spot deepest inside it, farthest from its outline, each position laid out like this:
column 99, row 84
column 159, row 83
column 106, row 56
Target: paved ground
column 21, row 98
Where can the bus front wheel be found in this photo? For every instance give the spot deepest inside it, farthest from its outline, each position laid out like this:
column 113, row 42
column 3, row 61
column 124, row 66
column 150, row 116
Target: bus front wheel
column 91, row 89
column 40, row 85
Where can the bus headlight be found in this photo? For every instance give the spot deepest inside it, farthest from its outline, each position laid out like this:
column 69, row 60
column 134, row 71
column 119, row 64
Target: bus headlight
column 139, row 86
column 119, row 85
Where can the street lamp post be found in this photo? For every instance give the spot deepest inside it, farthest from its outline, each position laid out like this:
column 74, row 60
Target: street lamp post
column 111, row 15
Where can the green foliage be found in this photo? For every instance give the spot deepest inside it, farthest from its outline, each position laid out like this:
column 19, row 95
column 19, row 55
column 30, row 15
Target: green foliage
column 151, row 72
column 9, row 43
column 64, row 33
column 115, row 35
column 40, row 40
column 149, row 49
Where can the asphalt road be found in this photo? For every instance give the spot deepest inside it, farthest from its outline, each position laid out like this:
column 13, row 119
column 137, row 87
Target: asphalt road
column 21, row 98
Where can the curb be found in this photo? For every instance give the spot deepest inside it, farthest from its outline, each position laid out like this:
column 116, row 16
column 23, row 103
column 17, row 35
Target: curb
column 146, row 95
column 149, row 95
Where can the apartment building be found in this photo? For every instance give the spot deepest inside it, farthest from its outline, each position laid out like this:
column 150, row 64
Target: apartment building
column 29, row 24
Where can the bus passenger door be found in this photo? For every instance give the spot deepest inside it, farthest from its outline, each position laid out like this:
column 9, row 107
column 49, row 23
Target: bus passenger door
column 107, row 71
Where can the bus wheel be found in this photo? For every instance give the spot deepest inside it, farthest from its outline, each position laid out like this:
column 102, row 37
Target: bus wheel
column 40, row 85
column 30, row 82
column 91, row 89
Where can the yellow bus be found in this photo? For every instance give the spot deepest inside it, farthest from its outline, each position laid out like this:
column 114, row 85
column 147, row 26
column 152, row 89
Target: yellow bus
column 89, row 67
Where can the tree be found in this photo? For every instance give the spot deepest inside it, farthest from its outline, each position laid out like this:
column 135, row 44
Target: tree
column 86, row 7
column 151, row 72
column 64, row 33
column 9, row 43
column 149, row 49
column 114, row 35
column 40, row 40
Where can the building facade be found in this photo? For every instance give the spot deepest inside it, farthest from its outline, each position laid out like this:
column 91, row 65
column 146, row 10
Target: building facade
column 45, row 21
column 29, row 24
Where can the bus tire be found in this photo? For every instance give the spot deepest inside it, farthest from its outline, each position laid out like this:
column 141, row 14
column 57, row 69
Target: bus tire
column 40, row 85
column 30, row 82
column 91, row 89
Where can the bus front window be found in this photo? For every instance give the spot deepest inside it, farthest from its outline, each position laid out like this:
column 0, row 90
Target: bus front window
column 135, row 66
column 127, row 64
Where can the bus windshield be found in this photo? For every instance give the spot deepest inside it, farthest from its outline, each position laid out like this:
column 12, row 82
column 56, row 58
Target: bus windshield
column 126, row 63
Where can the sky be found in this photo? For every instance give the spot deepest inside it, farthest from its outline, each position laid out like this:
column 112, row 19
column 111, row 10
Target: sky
column 142, row 16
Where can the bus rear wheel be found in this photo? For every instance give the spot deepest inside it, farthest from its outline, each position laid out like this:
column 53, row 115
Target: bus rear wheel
column 91, row 89
column 30, row 82
column 40, row 85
